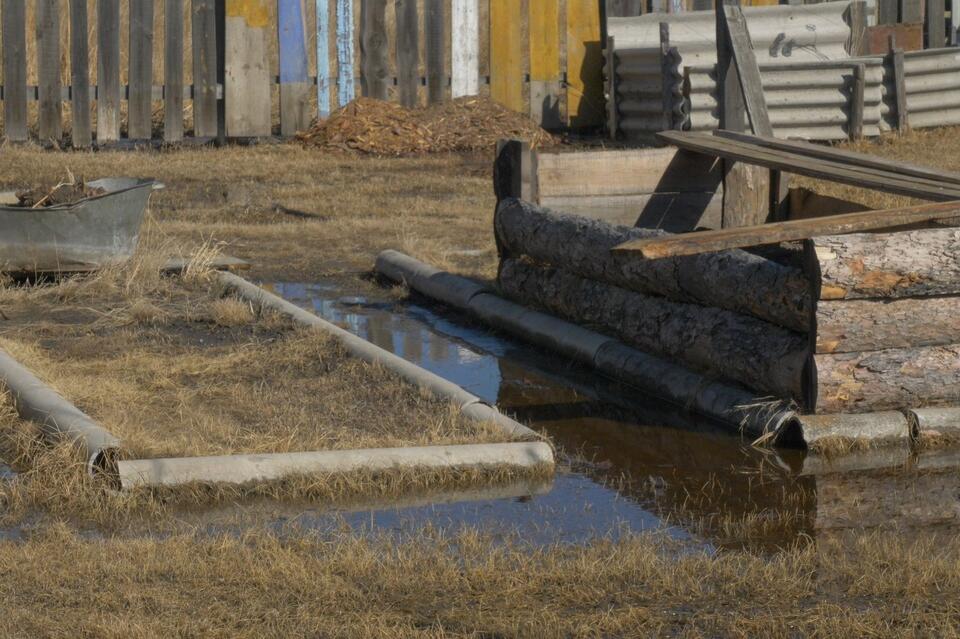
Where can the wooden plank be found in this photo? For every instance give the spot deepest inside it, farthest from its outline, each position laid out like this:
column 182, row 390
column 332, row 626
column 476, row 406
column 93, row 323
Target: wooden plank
column 666, row 73
column 858, row 27
column 790, row 231
column 373, row 49
column 936, row 24
column 204, row 35
column 408, row 52
column 877, row 39
column 140, row 71
column 856, row 102
column 748, row 71
column 173, row 71
column 629, row 172
column 544, row 16
column 323, row 58
column 436, row 47
column 585, row 104
column 346, row 90
column 506, row 55
column 465, row 42
column 48, row 70
column 911, row 11
column 295, row 85
column 900, row 87
column 81, row 135
column 887, row 12
column 247, row 81
column 885, row 181
column 108, row 70
column 851, row 158
column 671, row 212
column 14, row 70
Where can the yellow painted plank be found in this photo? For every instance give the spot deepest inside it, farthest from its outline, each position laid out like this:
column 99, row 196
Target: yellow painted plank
column 584, row 64
column 506, row 54
column 544, row 40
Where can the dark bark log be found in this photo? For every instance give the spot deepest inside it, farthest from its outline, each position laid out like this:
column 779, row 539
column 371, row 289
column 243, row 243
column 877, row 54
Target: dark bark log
column 733, row 280
column 850, row 326
column 887, row 380
column 760, row 355
column 885, row 265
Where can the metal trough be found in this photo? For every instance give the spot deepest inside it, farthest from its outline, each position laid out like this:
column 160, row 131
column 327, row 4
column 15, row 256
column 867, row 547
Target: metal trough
column 82, row 236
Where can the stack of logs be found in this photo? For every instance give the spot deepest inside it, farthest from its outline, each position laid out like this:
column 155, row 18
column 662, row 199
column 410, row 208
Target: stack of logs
column 844, row 324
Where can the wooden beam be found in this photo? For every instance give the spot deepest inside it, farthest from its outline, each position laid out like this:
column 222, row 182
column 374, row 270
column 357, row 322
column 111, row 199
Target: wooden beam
column 81, row 135
column 857, row 102
column 748, row 72
column 793, row 230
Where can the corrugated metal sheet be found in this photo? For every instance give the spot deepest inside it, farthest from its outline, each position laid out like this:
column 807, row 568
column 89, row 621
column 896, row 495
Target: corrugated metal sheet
column 932, row 80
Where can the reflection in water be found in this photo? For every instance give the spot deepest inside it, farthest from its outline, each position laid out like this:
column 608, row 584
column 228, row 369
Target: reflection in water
column 652, row 464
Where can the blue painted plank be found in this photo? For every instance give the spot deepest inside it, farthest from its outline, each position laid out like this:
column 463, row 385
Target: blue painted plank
column 345, row 87
column 293, row 48
column 323, row 58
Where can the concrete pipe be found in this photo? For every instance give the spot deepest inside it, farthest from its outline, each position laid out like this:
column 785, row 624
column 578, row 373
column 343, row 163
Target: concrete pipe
column 931, row 424
column 866, row 430
column 57, row 417
column 242, row 469
column 364, row 350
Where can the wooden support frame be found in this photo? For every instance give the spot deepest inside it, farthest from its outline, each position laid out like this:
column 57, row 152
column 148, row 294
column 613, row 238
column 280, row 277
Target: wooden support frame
column 857, row 101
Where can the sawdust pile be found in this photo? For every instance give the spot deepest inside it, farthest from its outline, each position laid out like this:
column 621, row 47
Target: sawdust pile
column 384, row 128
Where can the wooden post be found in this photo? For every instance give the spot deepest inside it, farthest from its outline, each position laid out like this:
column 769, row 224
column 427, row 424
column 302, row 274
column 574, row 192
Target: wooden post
column 514, row 174
column 14, row 70
column 856, row 101
column 108, row 71
column 248, row 84
column 436, row 49
column 373, row 49
column 936, row 26
column 408, row 52
column 666, row 76
column 48, row 70
column 173, row 71
column 295, row 86
column 954, row 38
column 544, row 16
column 887, row 12
column 858, row 27
column 899, row 84
column 612, row 113
column 506, row 55
column 81, row 136
column 465, row 40
column 323, row 58
column 911, row 11
column 204, row 68
column 140, row 71
column 345, row 85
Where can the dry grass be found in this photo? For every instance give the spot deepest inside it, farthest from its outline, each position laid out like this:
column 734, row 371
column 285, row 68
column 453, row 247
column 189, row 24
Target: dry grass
column 300, row 585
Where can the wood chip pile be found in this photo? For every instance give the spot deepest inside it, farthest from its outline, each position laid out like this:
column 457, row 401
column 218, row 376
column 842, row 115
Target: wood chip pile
column 387, row 129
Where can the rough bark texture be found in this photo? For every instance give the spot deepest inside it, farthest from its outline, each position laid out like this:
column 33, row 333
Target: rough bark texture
column 884, row 265
column 733, row 280
column 887, row 380
column 850, row 326
column 760, row 355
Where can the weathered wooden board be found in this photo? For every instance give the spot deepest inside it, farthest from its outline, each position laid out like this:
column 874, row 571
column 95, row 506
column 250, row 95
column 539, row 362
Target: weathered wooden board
column 248, row 85
column 936, row 24
column 545, row 87
column 14, row 70
column 140, row 71
column 626, row 172
column 585, row 102
column 81, row 135
column 408, row 52
column 48, row 70
column 204, row 29
column 748, row 71
column 791, row 230
column 173, row 71
column 465, row 41
column 506, row 55
column 852, row 326
column 373, row 49
column 108, row 70
column 671, row 212
column 323, row 58
column 909, row 37
column 345, row 82
column 295, row 87
column 436, row 48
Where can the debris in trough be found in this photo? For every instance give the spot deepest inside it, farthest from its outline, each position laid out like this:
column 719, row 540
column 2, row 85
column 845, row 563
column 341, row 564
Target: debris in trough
column 376, row 127
column 67, row 191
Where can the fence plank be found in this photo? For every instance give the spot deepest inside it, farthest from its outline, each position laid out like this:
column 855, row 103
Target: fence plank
column 323, row 58
column 108, row 70
column 294, row 77
column 465, row 42
column 247, row 82
column 14, row 70
column 345, row 86
column 140, row 71
column 584, row 64
column 856, row 102
column 545, row 62
column 887, row 12
column 506, row 55
column 81, row 135
column 173, row 71
column 204, row 36
column 408, row 52
column 911, row 11
column 936, row 24
column 436, row 49
column 373, row 49
column 48, row 69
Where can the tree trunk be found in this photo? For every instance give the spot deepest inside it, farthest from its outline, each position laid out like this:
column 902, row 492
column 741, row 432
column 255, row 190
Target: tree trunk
column 886, row 380
column 733, row 280
column 762, row 356
column 850, row 326
column 885, row 265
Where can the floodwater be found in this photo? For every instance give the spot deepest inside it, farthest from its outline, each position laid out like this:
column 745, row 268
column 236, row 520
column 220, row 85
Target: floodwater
column 630, row 464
